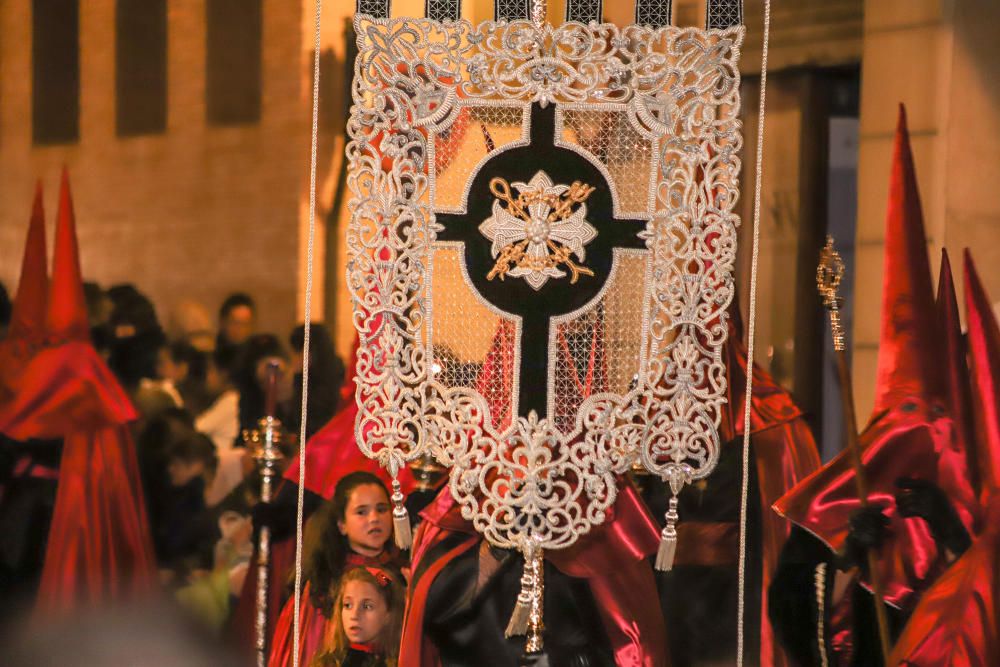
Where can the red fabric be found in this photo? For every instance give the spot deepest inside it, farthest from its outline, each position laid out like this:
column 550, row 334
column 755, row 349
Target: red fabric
column 912, row 433
column 413, row 650
column 67, row 307
column 984, row 351
column 27, row 320
column 910, row 440
column 241, row 626
column 612, row 557
column 909, row 350
column 332, row 453
column 956, row 622
column 99, row 549
column 65, row 389
column 785, row 454
column 312, row 627
column 961, row 485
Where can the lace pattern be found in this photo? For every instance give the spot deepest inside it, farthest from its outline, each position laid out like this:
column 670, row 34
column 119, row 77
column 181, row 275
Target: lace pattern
column 656, row 110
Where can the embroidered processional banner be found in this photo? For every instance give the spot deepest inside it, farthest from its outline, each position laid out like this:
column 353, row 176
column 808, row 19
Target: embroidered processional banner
column 541, row 253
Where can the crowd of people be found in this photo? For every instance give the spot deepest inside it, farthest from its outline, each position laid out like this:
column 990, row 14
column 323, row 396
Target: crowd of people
column 199, row 393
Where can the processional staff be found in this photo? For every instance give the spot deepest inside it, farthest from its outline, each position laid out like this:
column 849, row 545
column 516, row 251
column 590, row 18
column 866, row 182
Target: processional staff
column 828, row 276
column 263, row 444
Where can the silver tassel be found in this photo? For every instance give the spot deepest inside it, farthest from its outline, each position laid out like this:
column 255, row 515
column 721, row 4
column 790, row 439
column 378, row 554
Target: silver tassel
column 529, row 599
column 668, row 539
column 400, row 518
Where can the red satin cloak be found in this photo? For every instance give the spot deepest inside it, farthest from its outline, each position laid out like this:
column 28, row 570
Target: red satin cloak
column 913, row 439
column 612, row 557
column 956, row 622
column 99, row 548
column 332, row 453
column 785, row 453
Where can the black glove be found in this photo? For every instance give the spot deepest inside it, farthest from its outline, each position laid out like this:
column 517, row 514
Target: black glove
column 924, row 499
column 868, row 528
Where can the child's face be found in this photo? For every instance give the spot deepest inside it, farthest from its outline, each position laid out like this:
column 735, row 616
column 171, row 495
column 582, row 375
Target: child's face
column 367, row 522
column 363, row 611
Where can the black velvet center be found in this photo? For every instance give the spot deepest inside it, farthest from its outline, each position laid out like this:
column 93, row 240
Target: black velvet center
column 557, row 296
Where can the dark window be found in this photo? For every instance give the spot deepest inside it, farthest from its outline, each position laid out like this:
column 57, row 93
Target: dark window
column 233, row 61
column 141, row 66
column 55, row 69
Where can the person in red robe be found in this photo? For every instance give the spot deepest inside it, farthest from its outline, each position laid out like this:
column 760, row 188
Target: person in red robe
column 957, row 621
column 99, row 549
column 601, row 605
column 29, row 470
column 699, row 595
column 915, row 460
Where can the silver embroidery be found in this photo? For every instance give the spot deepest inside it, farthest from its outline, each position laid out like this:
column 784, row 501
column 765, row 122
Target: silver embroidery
column 432, row 103
column 527, row 236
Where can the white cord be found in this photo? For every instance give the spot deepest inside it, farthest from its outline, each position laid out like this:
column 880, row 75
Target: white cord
column 296, row 621
column 744, row 491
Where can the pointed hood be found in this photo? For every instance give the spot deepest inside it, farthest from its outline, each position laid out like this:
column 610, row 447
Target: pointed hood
column 911, row 433
column 27, row 321
column 67, row 314
column 907, row 359
column 984, row 362
column 957, row 370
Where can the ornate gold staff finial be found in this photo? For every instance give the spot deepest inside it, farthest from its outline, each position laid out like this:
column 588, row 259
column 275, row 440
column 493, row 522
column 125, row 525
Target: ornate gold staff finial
column 828, row 276
column 829, row 272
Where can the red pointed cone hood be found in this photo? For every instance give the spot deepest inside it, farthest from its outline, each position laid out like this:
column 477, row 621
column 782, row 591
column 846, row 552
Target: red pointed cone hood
column 28, row 318
column 984, row 362
column 908, row 354
column 959, row 399
column 67, row 316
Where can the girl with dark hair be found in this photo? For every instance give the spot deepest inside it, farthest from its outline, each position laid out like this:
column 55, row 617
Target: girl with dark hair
column 367, row 620
column 353, row 530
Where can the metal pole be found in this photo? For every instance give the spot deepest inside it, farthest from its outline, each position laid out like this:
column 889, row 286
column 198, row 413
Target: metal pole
column 264, row 442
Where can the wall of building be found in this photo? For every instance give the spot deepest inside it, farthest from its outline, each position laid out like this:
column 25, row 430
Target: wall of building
column 193, row 213
column 941, row 59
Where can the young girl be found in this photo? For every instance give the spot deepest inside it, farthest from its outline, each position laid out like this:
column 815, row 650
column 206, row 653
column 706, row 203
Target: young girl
column 367, row 620
column 354, row 529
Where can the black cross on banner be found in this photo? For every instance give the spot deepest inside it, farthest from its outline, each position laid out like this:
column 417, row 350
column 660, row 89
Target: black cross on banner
column 557, row 296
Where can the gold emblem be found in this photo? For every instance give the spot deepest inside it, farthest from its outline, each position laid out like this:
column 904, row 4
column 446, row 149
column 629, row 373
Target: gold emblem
column 539, row 230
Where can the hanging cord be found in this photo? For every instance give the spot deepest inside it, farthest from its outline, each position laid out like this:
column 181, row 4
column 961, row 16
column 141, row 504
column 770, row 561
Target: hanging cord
column 297, row 620
column 745, row 485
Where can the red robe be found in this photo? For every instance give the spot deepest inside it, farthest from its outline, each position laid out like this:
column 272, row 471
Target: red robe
column 99, row 548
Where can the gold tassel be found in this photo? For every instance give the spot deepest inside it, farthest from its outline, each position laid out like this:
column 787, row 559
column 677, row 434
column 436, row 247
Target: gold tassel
column 668, row 539
column 522, row 610
column 400, row 518
column 527, row 611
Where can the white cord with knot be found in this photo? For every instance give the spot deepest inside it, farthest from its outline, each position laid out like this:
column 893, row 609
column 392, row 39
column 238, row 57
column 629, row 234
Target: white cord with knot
column 744, row 491
column 297, row 620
